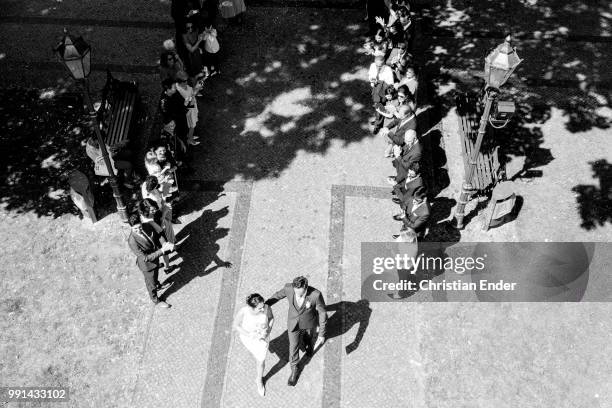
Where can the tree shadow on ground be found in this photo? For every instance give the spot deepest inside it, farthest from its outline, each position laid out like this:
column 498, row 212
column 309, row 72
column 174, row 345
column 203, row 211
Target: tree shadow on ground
column 562, row 67
column 39, row 137
column 294, row 88
column 595, row 203
column 295, row 81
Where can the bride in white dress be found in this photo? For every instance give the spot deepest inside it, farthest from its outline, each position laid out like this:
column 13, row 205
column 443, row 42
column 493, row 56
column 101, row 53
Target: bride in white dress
column 254, row 324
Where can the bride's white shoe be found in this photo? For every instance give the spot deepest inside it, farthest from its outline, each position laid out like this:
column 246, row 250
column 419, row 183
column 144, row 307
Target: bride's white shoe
column 261, row 389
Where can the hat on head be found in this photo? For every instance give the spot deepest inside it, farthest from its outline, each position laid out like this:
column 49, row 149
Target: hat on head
column 182, row 76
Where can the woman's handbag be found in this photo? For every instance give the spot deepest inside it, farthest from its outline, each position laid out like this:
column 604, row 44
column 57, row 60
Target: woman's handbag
column 211, row 44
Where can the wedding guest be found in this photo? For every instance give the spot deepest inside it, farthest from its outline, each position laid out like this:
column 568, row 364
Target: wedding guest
column 410, row 152
column 145, row 243
column 150, row 215
column 174, row 116
column 407, row 26
column 404, row 61
column 211, row 50
column 409, row 79
column 386, row 114
column 379, row 47
column 404, row 192
column 253, row 323
column 150, row 189
column 192, row 41
column 404, row 98
column 396, row 54
column 405, row 121
column 416, row 214
column 381, row 77
column 169, row 65
column 160, row 163
column 189, row 100
column 379, row 72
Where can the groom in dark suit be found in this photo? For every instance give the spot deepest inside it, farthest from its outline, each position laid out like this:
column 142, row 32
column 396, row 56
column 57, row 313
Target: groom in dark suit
column 306, row 310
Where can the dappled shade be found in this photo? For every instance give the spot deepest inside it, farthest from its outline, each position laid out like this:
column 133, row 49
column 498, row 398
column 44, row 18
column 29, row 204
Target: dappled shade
column 40, row 141
column 595, row 202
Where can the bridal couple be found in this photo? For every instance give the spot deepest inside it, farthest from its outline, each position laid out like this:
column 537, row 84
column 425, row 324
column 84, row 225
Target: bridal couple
column 254, row 321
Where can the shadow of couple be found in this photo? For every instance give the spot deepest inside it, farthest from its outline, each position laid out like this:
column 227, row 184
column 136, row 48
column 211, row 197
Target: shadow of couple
column 345, row 315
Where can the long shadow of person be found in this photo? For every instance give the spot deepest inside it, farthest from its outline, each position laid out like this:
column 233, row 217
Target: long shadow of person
column 198, row 249
column 347, row 315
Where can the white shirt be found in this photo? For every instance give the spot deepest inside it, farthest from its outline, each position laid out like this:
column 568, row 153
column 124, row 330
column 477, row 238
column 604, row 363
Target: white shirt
column 416, row 205
column 299, row 301
column 385, row 75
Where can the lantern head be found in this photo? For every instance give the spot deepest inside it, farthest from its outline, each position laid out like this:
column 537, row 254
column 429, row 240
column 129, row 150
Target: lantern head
column 75, row 54
column 500, row 64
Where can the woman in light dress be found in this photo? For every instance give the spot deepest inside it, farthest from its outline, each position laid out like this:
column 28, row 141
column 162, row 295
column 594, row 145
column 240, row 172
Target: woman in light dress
column 189, row 95
column 253, row 323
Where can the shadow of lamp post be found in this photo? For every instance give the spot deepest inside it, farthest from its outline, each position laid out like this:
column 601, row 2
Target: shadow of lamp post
column 499, row 65
column 75, row 54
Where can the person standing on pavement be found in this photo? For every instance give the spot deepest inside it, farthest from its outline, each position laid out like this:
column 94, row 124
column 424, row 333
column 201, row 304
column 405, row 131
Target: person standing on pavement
column 306, row 310
column 145, row 243
column 150, row 190
column 189, row 101
column 416, row 213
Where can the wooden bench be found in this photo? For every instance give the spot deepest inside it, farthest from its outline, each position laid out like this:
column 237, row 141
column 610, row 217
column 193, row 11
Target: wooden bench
column 487, row 172
column 117, row 111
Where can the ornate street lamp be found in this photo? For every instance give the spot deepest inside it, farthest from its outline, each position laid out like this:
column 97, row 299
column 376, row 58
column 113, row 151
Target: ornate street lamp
column 499, row 65
column 75, row 54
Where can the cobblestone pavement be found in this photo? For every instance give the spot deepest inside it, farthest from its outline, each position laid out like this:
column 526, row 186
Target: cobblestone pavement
column 286, row 134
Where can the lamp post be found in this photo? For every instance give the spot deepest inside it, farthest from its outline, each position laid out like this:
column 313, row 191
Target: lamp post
column 499, row 65
column 75, row 54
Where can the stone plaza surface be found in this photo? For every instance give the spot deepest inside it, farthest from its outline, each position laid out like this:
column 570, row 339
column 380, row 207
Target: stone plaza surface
column 285, row 134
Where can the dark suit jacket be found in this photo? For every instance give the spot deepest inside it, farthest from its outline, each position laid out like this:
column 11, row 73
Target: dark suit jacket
column 397, row 129
column 409, row 155
column 378, row 93
column 405, row 193
column 304, row 317
column 147, row 252
column 417, row 222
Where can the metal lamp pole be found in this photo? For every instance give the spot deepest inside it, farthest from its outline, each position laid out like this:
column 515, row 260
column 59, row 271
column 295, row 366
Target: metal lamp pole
column 466, row 187
column 75, row 54
column 112, row 178
column 499, row 65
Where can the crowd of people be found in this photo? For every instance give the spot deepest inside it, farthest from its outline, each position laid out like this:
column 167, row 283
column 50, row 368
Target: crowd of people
column 186, row 63
column 191, row 59
column 395, row 100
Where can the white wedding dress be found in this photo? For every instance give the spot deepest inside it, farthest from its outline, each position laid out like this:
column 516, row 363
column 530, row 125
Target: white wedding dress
column 258, row 325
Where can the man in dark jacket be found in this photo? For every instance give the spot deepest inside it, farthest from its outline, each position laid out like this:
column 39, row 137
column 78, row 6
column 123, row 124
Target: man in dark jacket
column 145, row 243
column 174, row 116
column 403, row 193
column 397, row 128
column 416, row 214
column 306, row 311
column 410, row 152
